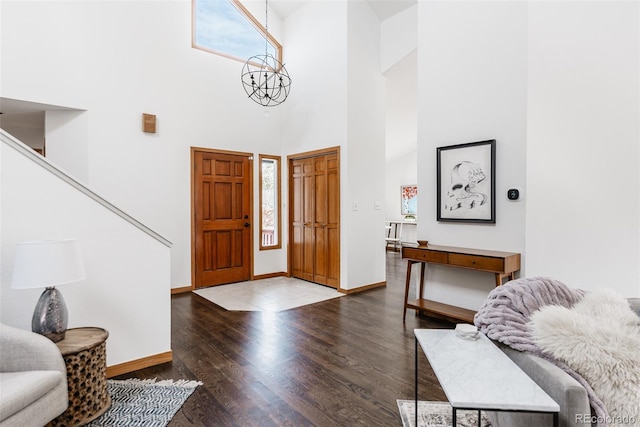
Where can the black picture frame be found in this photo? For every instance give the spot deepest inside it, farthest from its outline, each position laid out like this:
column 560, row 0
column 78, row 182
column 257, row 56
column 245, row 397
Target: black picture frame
column 466, row 181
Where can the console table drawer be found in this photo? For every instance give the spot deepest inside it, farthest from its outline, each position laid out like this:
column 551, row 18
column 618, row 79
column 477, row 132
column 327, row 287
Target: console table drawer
column 425, row 255
column 477, row 262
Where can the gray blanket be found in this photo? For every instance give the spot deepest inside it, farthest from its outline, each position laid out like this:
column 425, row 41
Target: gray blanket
column 504, row 317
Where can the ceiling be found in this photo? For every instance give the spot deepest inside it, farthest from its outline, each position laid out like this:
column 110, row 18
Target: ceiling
column 382, row 8
column 24, row 114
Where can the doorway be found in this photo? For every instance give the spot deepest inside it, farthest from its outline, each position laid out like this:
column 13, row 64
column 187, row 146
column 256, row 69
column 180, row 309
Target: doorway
column 221, row 217
column 314, row 212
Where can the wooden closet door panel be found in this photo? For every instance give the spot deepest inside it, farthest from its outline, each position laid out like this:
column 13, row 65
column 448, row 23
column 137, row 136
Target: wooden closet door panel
column 315, row 219
column 297, row 219
column 308, row 206
column 332, row 227
column 320, row 218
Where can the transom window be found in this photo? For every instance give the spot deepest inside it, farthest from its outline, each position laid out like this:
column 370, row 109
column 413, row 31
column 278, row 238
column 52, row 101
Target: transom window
column 225, row 27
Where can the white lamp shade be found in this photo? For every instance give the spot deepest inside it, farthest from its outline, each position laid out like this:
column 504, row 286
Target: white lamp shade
column 46, row 263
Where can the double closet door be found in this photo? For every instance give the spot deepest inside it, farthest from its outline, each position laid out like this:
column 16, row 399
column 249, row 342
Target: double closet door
column 314, row 209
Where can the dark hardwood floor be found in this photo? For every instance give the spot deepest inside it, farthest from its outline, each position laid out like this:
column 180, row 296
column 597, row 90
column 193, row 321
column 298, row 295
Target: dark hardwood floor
column 341, row 362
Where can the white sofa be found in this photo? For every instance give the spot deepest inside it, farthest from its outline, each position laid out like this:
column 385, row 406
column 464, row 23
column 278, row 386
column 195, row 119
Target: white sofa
column 33, row 379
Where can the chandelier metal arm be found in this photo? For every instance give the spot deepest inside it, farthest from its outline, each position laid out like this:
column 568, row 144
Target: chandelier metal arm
column 268, row 67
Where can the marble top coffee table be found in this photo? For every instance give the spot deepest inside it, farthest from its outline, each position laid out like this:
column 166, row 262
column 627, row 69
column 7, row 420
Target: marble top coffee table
column 476, row 374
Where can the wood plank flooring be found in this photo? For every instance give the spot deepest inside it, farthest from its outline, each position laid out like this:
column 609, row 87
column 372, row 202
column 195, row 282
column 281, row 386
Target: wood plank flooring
column 341, row 362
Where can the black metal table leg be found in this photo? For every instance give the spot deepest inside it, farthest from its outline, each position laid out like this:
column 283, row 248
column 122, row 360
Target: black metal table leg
column 415, row 385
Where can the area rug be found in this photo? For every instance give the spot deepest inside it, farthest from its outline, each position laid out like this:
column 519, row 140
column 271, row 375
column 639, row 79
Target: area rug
column 437, row 414
column 147, row 403
column 270, row 295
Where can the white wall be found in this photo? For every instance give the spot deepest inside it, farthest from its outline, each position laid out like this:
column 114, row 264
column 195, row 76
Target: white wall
column 472, row 72
column 399, row 57
column 583, row 193
column 398, row 37
column 401, row 132
column 340, row 102
column 316, row 113
column 365, row 154
column 135, row 57
column 66, row 133
column 128, row 279
column 556, row 84
column 402, row 171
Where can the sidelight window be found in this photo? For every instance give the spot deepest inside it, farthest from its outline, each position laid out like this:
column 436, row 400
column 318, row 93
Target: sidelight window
column 270, row 218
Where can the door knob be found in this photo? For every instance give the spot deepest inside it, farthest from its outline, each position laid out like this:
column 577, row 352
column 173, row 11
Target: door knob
column 246, row 224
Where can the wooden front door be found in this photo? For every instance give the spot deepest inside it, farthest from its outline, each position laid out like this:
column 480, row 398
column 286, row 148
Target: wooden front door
column 221, row 217
column 315, row 217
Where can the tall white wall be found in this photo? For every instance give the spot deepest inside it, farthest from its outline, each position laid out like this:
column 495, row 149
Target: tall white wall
column 556, row 84
column 128, row 278
column 401, row 132
column 316, row 113
column 340, row 102
column 365, row 159
column 583, row 193
column 117, row 60
column 472, row 61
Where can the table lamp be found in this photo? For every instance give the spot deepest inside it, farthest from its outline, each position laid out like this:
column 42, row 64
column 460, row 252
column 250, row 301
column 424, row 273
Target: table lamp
column 48, row 263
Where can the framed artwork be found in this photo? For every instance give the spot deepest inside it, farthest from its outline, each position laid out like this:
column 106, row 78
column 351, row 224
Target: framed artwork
column 409, row 200
column 466, row 176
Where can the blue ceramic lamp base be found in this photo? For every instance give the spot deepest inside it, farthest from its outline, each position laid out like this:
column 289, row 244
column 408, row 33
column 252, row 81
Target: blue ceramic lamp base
column 50, row 316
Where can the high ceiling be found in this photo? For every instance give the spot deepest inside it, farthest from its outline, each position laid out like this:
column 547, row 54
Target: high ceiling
column 382, row 8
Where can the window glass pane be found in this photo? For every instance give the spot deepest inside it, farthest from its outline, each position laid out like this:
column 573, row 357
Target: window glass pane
column 222, row 27
column 269, row 202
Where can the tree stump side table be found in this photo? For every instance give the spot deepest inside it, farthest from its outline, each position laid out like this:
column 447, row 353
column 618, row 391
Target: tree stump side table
column 83, row 350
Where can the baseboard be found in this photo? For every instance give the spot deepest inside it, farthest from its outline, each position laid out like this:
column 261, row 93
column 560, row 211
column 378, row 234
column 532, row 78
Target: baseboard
column 270, row 275
column 134, row 365
column 181, row 290
column 363, row 288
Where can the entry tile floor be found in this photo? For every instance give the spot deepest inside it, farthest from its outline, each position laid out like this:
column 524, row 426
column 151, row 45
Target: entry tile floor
column 274, row 294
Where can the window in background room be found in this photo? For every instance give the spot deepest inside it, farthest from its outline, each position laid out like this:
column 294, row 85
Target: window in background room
column 225, row 27
column 270, row 234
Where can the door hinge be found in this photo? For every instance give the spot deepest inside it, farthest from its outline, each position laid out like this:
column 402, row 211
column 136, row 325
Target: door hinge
column 250, row 157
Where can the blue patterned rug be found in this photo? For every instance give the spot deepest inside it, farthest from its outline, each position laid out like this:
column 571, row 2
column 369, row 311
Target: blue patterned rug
column 147, row 403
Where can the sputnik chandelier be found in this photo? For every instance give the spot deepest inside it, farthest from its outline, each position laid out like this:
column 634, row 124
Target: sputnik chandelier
column 264, row 78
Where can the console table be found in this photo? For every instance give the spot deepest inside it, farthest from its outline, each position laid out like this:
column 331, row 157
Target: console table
column 502, row 264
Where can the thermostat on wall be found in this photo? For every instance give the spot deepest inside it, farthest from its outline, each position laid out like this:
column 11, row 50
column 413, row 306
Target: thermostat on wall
column 513, row 194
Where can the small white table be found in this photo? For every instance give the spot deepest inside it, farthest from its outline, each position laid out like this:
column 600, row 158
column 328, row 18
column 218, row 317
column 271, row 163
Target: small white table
column 476, row 374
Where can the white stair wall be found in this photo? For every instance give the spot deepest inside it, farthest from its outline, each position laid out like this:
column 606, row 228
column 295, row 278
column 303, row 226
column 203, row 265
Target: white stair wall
column 127, row 289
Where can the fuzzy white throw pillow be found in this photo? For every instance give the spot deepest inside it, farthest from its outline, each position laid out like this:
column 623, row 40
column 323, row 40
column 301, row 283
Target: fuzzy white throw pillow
column 599, row 338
